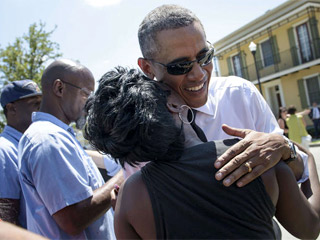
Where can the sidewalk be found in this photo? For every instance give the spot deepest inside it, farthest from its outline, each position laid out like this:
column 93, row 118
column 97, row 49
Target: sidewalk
column 315, row 144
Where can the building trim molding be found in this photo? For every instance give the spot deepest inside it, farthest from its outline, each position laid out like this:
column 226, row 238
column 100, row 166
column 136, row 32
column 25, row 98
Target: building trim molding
column 278, row 17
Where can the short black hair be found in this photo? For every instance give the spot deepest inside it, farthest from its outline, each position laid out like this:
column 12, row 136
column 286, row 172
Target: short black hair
column 292, row 109
column 165, row 17
column 128, row 119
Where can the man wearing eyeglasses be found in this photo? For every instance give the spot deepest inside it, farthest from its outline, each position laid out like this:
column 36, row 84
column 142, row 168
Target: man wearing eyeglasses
column 66, row 197
column 175, row 50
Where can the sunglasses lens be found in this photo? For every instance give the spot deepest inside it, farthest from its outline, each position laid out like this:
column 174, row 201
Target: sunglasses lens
column 207, row 58
column 179, row 68
column 185, row 67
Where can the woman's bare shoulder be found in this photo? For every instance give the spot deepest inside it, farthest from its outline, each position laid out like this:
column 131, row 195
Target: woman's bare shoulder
column 134, row 203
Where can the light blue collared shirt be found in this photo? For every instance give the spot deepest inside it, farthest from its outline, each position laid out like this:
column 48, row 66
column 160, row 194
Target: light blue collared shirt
column 56, row 172
column 9, row 178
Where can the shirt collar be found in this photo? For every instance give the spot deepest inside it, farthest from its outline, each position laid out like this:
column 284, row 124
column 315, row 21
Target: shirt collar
column 41, row 116
column 12, row 132
column 208, row 108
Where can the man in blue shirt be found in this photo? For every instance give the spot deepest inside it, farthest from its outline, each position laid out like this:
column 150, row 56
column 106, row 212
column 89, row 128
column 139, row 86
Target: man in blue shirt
column 65, row 194
column 18, row 100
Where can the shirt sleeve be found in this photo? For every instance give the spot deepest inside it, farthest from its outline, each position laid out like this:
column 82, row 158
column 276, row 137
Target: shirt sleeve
column 111, row 165
column 58, row 172
column 9, row 178
column 305, row 174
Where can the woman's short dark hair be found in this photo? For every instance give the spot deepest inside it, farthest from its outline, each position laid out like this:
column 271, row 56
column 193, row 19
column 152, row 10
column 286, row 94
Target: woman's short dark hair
column 292, row 109
column 128, row 119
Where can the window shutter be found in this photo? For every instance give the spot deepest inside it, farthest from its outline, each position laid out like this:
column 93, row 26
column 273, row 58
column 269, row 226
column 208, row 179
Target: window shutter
column 293, row 47
column 315, row 35
column 302, row 93
column 275, row 49
column 258, row 57
column 243, row 62
column 230, row 66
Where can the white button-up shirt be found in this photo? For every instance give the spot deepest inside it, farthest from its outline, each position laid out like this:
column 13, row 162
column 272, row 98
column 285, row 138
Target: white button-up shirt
column 236, row 102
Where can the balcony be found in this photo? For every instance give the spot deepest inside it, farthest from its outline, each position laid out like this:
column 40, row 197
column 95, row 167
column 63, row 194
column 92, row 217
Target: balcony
column 285, row 60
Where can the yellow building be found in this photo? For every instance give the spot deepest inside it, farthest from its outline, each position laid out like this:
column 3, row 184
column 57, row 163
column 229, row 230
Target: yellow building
column 287, row 54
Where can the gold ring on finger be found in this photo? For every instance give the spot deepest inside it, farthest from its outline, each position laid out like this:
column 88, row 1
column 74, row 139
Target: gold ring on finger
column 247, row 164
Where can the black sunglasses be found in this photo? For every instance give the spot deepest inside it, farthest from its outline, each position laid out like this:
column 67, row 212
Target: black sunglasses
column 185, row 67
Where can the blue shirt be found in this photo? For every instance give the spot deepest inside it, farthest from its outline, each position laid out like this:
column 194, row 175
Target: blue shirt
column 56, row 172
column 9, row 177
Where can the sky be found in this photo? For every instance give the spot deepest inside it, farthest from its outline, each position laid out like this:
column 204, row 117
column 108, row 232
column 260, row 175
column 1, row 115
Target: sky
column 102, row 34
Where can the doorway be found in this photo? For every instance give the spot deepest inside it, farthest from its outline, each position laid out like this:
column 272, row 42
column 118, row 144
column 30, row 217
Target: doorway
column 274, row 96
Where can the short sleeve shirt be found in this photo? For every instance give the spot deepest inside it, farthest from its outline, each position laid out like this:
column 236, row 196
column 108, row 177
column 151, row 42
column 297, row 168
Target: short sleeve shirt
column 9, row 178
column 56, row 172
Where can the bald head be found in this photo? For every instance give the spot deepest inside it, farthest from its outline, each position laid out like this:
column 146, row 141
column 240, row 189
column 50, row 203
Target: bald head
column 66, row 86
column 62, row 69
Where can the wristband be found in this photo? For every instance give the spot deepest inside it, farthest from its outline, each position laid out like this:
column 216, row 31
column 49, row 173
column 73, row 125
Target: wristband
column 293, row 153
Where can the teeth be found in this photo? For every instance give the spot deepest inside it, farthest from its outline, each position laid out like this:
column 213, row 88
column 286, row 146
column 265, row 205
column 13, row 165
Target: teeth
column 195, row 88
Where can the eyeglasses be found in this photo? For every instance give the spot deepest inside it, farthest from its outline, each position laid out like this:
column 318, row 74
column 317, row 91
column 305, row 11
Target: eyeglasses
column 86, row 91
column 185, row 67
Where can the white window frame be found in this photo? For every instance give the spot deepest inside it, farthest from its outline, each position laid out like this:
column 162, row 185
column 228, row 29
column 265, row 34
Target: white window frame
column 305, row 79
column 232, row 64
column 261, row 52
column 271, row 84
column 305, row 21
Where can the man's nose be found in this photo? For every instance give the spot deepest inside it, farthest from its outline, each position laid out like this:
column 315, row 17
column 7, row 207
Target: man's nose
column 197, row 72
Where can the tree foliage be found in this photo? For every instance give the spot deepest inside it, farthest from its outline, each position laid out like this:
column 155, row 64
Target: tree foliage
column 25, row 58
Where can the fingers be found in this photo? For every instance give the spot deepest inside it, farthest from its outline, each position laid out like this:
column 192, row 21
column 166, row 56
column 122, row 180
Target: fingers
column 237, row 132
column 242, row 175
column 261, row 150
column 237, row 168
column 235, row 175
column 247, row 178
column 235, row 149
column 114, row 196
column 234, row 153
column 116, row 189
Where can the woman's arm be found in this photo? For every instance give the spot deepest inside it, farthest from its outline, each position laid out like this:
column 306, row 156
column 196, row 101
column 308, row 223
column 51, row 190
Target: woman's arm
column 299, row 215
column 10, row 231
column 281, row 123
column 133, row 218
column 311, row 187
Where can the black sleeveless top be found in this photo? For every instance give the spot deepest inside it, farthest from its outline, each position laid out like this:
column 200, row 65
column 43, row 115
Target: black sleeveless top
column 285, row 126
column 188, row 203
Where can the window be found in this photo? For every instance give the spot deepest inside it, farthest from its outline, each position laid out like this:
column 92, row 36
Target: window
column 313, row 89
column 304, row 43
column 267, row 56
column 237, row 65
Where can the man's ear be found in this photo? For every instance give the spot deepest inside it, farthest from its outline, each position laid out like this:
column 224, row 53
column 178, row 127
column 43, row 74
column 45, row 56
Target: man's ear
column 58, row 87
column 11, row 108
column 146, row 67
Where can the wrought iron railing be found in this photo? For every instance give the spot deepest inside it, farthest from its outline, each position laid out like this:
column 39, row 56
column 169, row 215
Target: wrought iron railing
column 282, row 61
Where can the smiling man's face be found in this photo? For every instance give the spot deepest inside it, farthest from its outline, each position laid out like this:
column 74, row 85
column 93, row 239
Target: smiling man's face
column 177, row 46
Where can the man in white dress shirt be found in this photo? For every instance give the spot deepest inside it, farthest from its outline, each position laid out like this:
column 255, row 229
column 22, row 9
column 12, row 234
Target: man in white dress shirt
column 175, row 51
